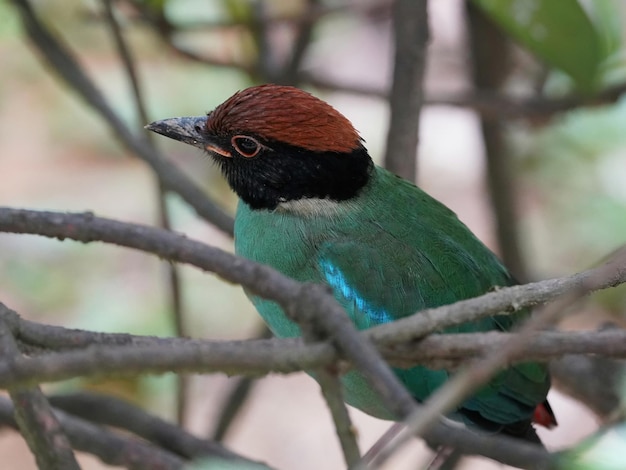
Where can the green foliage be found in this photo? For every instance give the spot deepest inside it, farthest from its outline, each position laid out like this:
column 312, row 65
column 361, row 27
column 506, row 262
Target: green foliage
column 183, row 13
column 602, row 451
column 8, row 21
column 576, row 166
column 218, row 464
column 561, row 33
column 607, row 22
column 156, row 5
column 239, row 10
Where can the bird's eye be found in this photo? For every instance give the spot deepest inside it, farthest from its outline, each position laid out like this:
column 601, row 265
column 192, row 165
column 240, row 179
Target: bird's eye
column 246, row 146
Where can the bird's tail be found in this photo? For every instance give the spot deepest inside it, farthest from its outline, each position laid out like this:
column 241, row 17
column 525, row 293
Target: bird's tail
column 544, row 416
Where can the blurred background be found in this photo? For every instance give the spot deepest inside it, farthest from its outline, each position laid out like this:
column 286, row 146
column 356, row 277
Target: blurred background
column 566, row 172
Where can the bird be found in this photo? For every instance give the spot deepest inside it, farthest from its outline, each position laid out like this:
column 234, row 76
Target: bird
column 314, row 206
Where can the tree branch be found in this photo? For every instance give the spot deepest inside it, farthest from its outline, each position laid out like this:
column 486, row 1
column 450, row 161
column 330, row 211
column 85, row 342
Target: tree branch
column 307, row 304
column 255, row 357
column 488, row 103
column 333, row 394
column 328, row 379
column 448, row 351
column 410, row 20
column 593, row 380
column 111, row 448
column 490, row 51
column 268, row 283
column 290, row 73
column 502, row 301
column 449, row 436
column 236, row 398
column 110, row 411
column 34, row 417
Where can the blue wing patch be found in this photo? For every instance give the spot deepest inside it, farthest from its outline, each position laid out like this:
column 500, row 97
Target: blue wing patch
column 363, row 313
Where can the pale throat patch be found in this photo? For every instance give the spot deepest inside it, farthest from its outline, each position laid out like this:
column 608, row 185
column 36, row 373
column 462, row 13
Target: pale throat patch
column 314, row 207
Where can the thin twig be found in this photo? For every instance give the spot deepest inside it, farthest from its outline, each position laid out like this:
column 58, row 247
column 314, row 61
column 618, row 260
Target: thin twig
column 502, row 301
column 490, row 50
column 232, row 406
column 314, row 13
column 332, row 391
column 252, row 359
column 167, row 31
column 34, row 417
column 410, row 26
column 488, row 103
column 435, row 351
column 111, row 448
column 503, row 449
column 173, row 277
column 593, row 380
column 236, row 399
column 59, row 57
column 452, row 350
column 266, row 66
column 127, row 59
column 109, row 411
column 333, row 394
column 99, row 354
column 290, row 74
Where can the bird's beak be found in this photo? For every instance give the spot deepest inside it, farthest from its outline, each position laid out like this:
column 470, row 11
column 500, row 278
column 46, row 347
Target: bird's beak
column 183, row 129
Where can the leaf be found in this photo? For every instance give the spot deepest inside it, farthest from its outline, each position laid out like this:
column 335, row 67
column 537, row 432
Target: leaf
column 607, row 20
column 558, row 32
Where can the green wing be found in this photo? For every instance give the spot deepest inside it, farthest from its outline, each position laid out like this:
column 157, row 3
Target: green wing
column 382, row 274
column 379, row 275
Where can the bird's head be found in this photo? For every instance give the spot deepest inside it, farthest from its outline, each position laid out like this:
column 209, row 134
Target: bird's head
column 277, row 144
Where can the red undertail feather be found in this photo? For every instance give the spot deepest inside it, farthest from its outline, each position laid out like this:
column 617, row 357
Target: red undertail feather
column 544, row 416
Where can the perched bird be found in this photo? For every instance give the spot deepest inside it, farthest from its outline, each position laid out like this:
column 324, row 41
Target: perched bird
column 314, row 206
